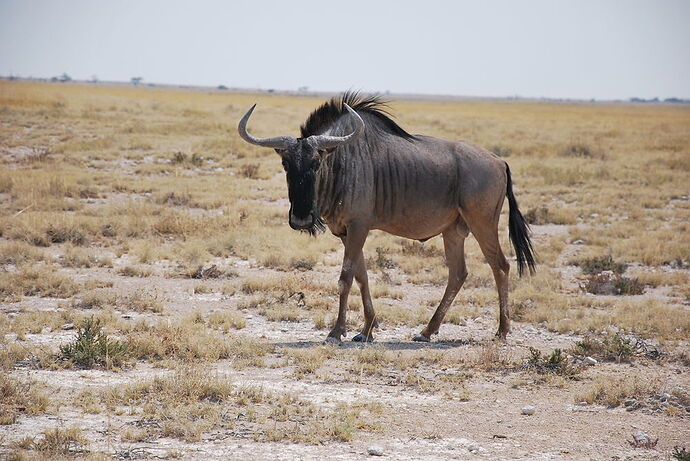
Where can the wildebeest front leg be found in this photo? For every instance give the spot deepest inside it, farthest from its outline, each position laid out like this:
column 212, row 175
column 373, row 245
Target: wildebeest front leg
column 454, row 244
column 354, row 241
column 369, row 315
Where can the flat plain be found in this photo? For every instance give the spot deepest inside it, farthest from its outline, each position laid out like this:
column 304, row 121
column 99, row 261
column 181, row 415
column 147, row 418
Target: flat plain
column 154, row 303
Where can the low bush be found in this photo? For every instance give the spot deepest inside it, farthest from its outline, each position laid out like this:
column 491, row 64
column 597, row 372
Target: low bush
column 92, row 347
column 613, row 348
column 555, row 363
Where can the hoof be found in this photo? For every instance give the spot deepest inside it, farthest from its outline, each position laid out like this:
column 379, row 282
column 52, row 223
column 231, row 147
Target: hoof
column 421, row 338
column 333, row 340
column 360, row 338
column 500, row 336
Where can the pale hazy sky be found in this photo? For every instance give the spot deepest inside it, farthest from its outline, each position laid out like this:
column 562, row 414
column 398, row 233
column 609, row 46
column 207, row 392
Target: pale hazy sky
column 572, row 49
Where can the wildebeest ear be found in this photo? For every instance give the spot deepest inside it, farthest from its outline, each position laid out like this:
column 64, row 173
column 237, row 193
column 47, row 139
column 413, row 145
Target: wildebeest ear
column 281, row 152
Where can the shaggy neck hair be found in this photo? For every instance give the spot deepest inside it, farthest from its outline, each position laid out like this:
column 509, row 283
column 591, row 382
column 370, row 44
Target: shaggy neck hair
column 322, row 118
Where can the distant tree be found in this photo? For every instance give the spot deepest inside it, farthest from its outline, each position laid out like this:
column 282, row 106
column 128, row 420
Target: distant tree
column 222, row 87
column 94, row 78
column 64, row 77
column 136, row 80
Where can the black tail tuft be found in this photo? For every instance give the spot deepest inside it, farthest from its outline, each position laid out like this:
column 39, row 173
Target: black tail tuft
column 519, row 232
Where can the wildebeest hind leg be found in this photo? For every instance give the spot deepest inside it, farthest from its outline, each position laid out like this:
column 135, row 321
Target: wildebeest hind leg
column 369, row 314
column 454, row 244
column 486, row 234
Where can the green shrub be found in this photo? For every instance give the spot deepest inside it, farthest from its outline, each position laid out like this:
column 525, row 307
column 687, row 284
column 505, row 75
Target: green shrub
column 601, row 264
column 556, row 363
column 613, row 348
column 92, row 347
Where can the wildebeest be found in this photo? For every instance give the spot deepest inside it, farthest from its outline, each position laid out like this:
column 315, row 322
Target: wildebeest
column 354, row 169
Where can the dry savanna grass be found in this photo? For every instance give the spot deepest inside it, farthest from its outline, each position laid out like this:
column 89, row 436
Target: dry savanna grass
column 141, row 240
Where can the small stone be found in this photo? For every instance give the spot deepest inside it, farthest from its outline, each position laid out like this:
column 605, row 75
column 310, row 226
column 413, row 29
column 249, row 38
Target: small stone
column 591, row 361
column 68, row 326
column 578, row 242
column 46, row 330
column 583, row 404
column 641, row 437
column 664, row 396
column 375, row 450
column 630, row 402
column 528, row 410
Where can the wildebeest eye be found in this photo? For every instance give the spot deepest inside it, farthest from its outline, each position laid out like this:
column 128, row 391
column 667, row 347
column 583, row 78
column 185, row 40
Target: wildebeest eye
column 315, row 164
column 285, row 165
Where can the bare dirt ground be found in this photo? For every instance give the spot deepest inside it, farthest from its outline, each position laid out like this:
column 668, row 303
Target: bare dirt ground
column 485, row 422
column 233, row 366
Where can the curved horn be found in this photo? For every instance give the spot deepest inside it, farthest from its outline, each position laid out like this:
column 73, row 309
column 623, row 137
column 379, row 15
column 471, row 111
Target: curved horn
column 328, row 142
column 280, row 142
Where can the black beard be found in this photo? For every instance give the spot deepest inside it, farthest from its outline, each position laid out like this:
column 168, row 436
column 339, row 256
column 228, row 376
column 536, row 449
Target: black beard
column 317, row 228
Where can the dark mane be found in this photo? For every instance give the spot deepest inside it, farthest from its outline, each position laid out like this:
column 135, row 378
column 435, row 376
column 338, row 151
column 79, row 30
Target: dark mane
column 323, row 117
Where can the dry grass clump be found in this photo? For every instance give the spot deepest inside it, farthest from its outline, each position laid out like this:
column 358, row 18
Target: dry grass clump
column 227, row 320
column 36, row 321
column 57, row 442
column 17, row 252
column 191, row 340
column 143, row 301
column 250, row 170
column 184, row 159
column 173, row 198
column 42, row 281
column 307, row 361
column 538, row 215
column 183, row 405
column 66, row 232
column 318, row 426
column 192, row 401
column 611, row 391
column 17, row 397
column 491, row 357
column 96, row 299
column 287, row 298
column 210, row 272
column 82, row 257
column 394, row 315
column 135, row 271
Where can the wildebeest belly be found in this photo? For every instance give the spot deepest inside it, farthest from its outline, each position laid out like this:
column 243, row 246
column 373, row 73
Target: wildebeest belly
column 421, row 224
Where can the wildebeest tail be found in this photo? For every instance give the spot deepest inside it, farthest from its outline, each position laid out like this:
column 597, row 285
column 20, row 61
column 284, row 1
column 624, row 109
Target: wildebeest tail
column 519, row 232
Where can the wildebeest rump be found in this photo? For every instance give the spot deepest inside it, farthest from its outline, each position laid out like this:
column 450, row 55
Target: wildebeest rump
column 354, row 170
